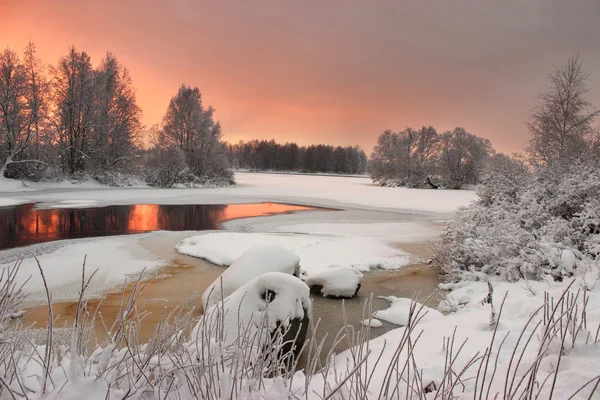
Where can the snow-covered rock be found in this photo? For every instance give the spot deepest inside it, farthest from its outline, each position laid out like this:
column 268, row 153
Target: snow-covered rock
column 271, row 301
column 373, row 323
column 335, row 281
column 253, row 263
column 568, row 261
column 399, row 311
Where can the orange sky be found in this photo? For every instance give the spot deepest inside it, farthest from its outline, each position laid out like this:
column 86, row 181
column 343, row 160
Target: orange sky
column 330, row 71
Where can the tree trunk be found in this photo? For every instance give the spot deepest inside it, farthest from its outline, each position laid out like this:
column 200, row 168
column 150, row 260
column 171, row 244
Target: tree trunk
column 6, row 163
column 432, row 184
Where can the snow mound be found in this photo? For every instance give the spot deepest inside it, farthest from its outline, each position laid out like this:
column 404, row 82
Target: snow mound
column 335, row 281
column 254, row 262
column 315, row 251
column 270, row 301
column 373, row 323
column 399, row 311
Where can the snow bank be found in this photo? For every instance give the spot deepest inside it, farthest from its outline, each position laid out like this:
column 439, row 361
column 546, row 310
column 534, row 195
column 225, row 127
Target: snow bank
column 251, row 264
column 335, row 281
column 315, row 251
column 114, row 258
column 270, row 300
column 399, row 311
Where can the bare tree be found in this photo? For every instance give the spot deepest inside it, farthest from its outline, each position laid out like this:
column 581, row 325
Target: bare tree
column 73, row 113
column 561, row 125
column 37, row 91
column 191, row 127
column 12, row 105
column 463, row 156
column 117, row 118
column 426, row 153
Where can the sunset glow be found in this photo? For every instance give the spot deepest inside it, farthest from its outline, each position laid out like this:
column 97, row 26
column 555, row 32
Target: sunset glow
column 333, row 72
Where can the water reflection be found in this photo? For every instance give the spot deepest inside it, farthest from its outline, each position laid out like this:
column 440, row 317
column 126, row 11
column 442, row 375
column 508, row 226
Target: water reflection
column 23, row 225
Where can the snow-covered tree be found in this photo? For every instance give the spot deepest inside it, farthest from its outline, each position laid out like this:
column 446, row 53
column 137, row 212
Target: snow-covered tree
column 117, row 115
column 411, row 157
column 22, row 106
column 190, row 126
column 562, row 125
column 73, row 113
column 463, row 156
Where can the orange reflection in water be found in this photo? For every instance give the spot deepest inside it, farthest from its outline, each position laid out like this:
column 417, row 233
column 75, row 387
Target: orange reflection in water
column 154, row 217
column 234, row 211
column 23, row 225
column 144, row 217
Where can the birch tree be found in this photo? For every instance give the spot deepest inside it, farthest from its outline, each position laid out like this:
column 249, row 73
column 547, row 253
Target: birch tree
column 561, row 126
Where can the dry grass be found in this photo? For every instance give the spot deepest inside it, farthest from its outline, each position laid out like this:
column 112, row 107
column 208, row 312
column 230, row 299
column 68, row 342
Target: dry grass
column 34, row 364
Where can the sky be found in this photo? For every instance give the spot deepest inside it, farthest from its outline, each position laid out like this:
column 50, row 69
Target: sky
column 338, row 72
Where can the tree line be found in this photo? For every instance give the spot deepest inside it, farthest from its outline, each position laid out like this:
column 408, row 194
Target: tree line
column 425, row 158
column 73, row 119
column 268, row 155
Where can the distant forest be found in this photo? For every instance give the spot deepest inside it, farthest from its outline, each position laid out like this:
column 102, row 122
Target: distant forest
column 269, row 155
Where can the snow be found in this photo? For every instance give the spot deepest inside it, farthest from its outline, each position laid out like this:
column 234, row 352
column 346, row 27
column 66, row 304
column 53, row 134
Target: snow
column 326, row 191
column 248, row 307
column 116, row 259
column 73, row 204
column 471, row 323
column 315, row 251
column 335, row 280
column 405, row 232
column 373, row 323
column 568, row 261
column 7, row 202
column 252, row 263
column 399, row 311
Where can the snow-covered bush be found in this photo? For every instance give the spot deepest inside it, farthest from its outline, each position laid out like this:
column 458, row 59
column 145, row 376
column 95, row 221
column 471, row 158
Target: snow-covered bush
column 523, row 221
column 166, row 167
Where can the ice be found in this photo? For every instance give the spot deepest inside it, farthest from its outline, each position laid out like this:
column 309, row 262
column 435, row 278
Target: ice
column 252, row 263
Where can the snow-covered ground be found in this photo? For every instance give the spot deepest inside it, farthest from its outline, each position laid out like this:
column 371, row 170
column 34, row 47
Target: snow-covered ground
column 327, row 191
column 114, row 258
column 361, row 237
column 471, row 320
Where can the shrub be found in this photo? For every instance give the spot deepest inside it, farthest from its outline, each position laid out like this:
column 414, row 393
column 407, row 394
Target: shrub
column 523, row 221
